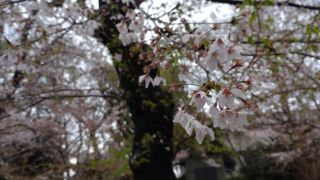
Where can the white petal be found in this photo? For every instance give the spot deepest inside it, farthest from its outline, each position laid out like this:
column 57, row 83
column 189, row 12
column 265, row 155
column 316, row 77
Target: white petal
column 210, row 63
column 186, row 38
column 231, row 120
column 214, row 111
column 178, row 116
column 188, row 117
column 230, row 101
column 242, row 118
column 211, row 133
column 200, row 103
column 199, row 99
column 156, row 81
column 189, row 128
column 148, row 81
column 236, row 53
column 237, row 92
column 197, row 41
column 202, row 94
column 122, row 27
column 141, row 78
column 222, row 100
column 199, row 135
column 130, row 14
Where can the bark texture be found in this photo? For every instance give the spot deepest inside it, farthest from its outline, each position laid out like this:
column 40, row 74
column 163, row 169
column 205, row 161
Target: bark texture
column 152, row 108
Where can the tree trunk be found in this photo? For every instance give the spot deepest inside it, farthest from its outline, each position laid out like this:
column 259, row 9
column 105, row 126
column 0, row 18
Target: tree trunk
column 152, row 108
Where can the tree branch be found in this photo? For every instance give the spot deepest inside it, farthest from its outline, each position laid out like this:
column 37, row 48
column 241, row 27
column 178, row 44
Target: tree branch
column 288, row 4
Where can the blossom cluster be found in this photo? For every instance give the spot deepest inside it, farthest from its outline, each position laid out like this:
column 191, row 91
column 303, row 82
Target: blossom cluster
column 130, row 34
column 148, row 79
column 190, row 123
column 219, row 56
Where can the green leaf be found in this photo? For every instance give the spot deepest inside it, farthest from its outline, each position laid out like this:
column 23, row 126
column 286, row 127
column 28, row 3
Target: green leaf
column 253, row 17
column 250, row 40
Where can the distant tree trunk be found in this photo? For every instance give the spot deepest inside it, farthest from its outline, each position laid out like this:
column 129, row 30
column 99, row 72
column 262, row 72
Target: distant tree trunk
column 152, row 108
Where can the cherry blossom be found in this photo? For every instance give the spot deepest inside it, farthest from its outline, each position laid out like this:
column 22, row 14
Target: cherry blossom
column 147, row 79
column 189, row 123
column 128, row 38
column 158, row 80
column 226, row 98
column 125, row 36
column 234, row 52
column 216, row 54
column 194, row 38
column 238, row 92
column 228, row 118
column 221, row 52
column 199, row 99
column 122, row 27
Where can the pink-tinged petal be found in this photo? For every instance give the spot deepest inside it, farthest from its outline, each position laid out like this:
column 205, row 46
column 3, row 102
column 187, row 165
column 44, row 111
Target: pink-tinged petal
column 177, row 118
column 189, row 128
column 238, row 92
column 210, row 62
column 182, row 118
column 130, row 14
column 221, row 121
column 199, row 135
column 231, row 119
column 188, row 117
column 211, row 134
column 202, row 94
column 234, row 52
column 222, row 100
column 186, row 38
column 200, row 103
column 122, row 27
column 214, row 111
column 199, row 99
column 230, row 101
column 242, row 118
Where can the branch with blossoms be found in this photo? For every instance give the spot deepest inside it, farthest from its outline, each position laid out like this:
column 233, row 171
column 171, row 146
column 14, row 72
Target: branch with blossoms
column 222, row 99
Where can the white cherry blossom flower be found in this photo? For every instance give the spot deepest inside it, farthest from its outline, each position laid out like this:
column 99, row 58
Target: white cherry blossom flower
column 130, row 14
column 116, row 17
column 199, row 99
column 127, row 38
column 200, row 134
column 147, row 80
column 234, row 52
column 157, row 80
column 122, row 27
column 226, row 98
column 189, row 123
column 136, row 24
column 195, row 38
column 217, row 54
column 214, row 111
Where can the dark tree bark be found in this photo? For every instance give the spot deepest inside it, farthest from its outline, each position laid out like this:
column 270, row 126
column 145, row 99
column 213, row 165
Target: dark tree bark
column 152, row 108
